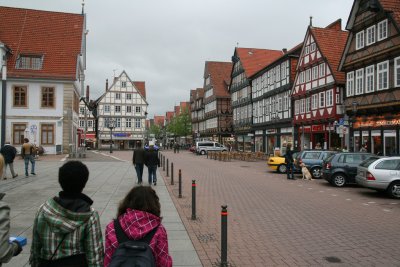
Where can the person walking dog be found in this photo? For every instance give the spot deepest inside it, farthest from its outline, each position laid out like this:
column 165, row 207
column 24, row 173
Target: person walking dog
column 9, row 152
column 28, row 154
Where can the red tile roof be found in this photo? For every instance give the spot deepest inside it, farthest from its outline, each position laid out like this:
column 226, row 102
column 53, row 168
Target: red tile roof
column 169, row 115
column 55, row 35
column 184, row 105
column 331, row 41
column 254, row 59
column 220, row 74
column 394, row 7
column 159, row 120
column 141, row 86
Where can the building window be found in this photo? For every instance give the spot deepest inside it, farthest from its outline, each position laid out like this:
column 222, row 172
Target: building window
column 29, row 62
column 369, row 79
column 322, row 70
column 302, row 77
column 123, row 84
column 81, row 123
column 397, row 71
column 308, row 75
column 90, row 123
column 82, row 110
column 307, row 50
column 20, row 93
column 382, row 30
column 137, row 123
column 329, row 98
column 314, row 102
column 322, row 99
column 47, row 134
column 315, row 73
column 18, row 133
column 117, row 108
column 296, row 107
column 128, row 123
column 47, row 97
column 117, row 96
column 359, row 40
column 371, row 35
column 106, row 108
column 383, row 75
column 350, row 83
column 312, row 47
column 128, row 109
column 302, row 106
column 129, row 96
column 137, row 109
column 359, row 81
column 308, row 104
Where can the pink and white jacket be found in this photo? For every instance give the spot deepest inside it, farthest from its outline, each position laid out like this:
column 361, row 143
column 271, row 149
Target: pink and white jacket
column 136, row 224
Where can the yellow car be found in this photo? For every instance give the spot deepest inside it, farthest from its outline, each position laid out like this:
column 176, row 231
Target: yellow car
column 278, row 163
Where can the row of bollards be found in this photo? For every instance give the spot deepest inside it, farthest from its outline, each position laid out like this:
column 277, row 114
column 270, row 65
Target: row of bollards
column 224, row 209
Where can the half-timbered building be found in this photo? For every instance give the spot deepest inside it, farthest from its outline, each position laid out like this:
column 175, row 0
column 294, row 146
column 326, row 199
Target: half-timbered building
column 197, row 113
column 217, row 101
column 271, row 92
column 318, row 88
column 246, row 62
column 371, row 61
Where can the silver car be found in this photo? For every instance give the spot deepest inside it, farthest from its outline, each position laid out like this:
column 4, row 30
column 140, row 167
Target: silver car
column 380, row 174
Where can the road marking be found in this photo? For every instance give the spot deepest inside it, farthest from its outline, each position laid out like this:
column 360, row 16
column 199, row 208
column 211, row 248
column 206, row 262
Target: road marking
column 64, row 158
column 321, row 191
column 348, row 199
column 300, row 185
column 393, row 203
column 334, row 195
column 386, row 210
column 365, row 204
column 309, row 188
column 371, row 202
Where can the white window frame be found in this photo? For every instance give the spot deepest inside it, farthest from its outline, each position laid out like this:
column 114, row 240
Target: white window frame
column 118, row 96
column 137, row 109
column 359, row 81
column 371, row 35
column 321, row 100
column 312, row 47
column 107, row 108
column 123, row 84
column 321, row 70
column 302, row 106
column 314, row 101
column 296, row 107
column 128, row 123
column 117, row 109
column 308, row 104
column 370, row 79
column 382, row 74
column 302, row 77
column 350, row 83
column 315, row 72
column 137, row 123
column 397, row 71
column 118, row 123
column 308, row 75
column 129, row 96
column 382, row 32
column 360, row 40
column 329, row 98
column 128, row 109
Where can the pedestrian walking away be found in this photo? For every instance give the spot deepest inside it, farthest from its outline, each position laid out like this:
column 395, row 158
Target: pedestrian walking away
column 152, row 161
column 66, row 230
column 9, row 152
column 289, row 162
column 28, row 154
column 138, row 161
column 138, row 217
column 7, row 249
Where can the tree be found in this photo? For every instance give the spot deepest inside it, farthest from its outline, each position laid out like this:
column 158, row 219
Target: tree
column 181, row 125
column 156, row 130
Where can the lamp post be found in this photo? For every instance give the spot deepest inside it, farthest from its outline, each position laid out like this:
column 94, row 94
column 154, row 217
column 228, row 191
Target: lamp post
column 111, row 126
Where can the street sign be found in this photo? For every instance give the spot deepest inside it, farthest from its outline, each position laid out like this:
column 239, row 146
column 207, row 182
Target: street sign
column 341, row 121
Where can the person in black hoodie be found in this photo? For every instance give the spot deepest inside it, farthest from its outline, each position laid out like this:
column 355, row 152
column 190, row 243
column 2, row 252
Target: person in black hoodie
column 9, row 152
column 152, row 161
column 138, row 161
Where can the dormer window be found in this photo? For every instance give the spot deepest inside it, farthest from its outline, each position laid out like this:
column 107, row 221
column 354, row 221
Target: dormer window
column 382, row 30
column 360, row 40
column 29, row 62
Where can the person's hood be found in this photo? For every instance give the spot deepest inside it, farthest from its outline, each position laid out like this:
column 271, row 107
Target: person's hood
column 137, row 224
column 62, row 220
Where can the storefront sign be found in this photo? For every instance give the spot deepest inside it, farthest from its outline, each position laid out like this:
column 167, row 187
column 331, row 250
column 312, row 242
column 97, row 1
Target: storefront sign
column 317, row 128
column 376, row 123
column 271, row 131
column 121, row 134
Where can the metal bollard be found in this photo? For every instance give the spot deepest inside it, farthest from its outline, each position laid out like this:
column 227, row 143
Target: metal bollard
column 172, row 173
column 167, row 168
column 224, row 236
column 180, row 183
column 193, row 199
column 163, row 165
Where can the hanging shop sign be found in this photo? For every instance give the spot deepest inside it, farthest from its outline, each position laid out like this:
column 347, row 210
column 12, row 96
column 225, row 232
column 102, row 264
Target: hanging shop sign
column 377, row 123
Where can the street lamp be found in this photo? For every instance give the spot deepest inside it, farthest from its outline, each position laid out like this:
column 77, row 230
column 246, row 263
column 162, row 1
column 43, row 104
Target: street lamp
column 111, row 126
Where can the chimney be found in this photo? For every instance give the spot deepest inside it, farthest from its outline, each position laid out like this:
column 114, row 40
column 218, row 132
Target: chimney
column 87, row 93
column 310, row 21
column 284, row 50
column 106, row 85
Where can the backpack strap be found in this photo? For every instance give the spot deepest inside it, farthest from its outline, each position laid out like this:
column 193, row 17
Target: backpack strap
column 122, row 237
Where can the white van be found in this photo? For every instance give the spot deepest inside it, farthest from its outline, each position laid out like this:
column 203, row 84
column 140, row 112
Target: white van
column 202, row 147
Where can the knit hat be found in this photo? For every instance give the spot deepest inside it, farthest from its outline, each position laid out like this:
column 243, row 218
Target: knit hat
column 73, row 176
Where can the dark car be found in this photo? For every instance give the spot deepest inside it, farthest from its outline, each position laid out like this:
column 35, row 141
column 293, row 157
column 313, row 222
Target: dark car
column 341, row 168
column 313, row 159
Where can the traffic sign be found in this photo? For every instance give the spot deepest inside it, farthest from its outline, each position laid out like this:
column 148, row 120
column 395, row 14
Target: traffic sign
column 341, row 121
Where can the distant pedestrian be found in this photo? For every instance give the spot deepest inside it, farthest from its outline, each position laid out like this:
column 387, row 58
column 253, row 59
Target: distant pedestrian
column 7, row 249
column 289, row 162
column 305, row 146
column 139, row 216
column 138, row 161
column 9, row 152
column 66, row 230
column 152, row 161
column 28, row 153
column 318, row 146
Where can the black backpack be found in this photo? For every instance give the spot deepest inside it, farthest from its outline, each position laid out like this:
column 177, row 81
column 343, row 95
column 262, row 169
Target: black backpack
column 132, row 253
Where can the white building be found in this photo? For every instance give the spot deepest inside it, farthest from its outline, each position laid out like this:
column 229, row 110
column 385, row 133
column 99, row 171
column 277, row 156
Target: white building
column 43, row 73
column 124, row 103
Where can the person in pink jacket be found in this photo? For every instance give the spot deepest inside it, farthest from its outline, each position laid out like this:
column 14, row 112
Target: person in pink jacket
column 139, row 213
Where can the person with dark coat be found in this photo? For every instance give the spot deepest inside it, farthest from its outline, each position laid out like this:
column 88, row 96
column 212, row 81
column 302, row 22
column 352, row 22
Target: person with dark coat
column 289, row 162
column 152, row 161
column 138, row 161
column 9, row 152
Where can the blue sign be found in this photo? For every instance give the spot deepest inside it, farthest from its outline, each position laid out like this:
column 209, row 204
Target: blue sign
column 121, row 134
column 341, row 121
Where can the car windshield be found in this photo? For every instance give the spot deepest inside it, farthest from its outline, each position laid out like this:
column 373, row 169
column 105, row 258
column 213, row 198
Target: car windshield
column 368, row 162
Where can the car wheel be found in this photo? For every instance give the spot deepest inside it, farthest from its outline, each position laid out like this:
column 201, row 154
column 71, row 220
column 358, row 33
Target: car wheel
column 282, row 168
column 339, row 180
column 394, row 189
column 203, row 152
column 316, row 173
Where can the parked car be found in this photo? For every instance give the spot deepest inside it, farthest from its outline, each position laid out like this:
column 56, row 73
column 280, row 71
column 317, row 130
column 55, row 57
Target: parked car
column 278, row 163
column 313, row 159
column 381, row 174
column 341, row 168
column 202, row 147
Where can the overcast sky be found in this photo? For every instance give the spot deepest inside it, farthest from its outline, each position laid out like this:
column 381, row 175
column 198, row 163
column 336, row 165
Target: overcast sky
column 166, row 42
